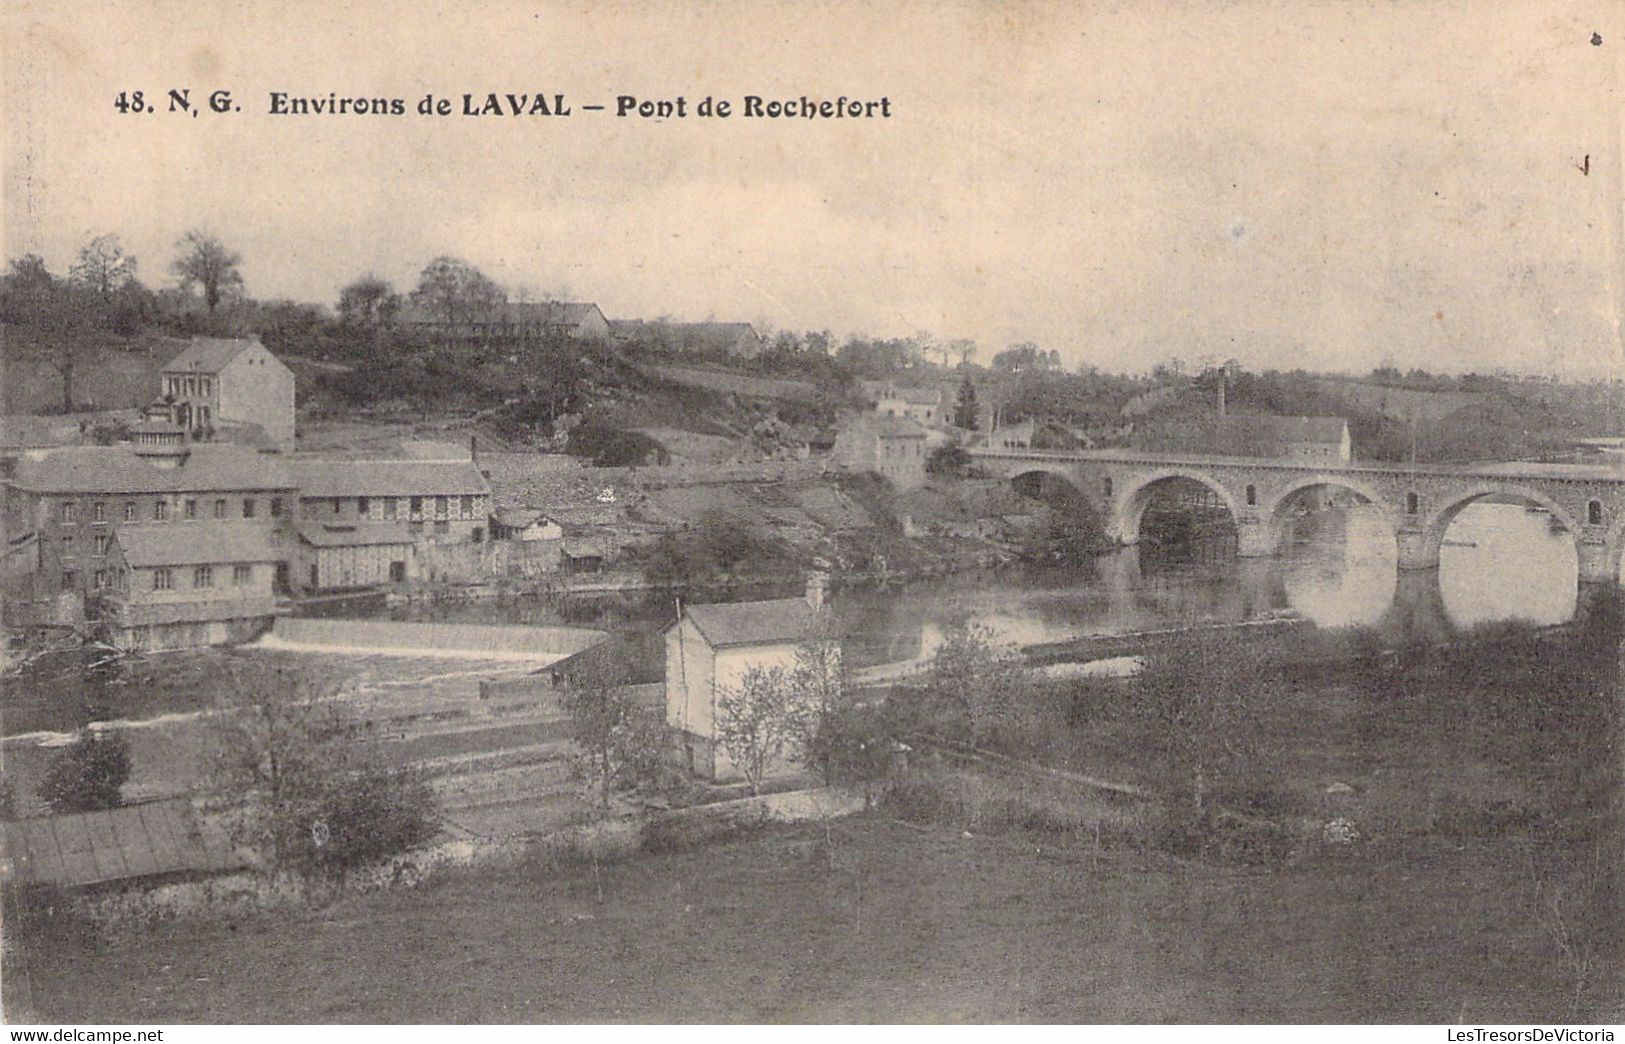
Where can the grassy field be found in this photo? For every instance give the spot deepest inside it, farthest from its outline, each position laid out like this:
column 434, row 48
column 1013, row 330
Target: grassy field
column 879, row 920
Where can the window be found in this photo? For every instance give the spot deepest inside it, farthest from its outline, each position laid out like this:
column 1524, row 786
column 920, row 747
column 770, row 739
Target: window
column 1412, row 504
column 220, row 509
column 69, row 578
column 203, row 576
column 1252, row 495
column 1106, row 486
column 129, row 511
column 417, row 505
column 102, row 540
column 389, row 507
column 338, row 505
column 162, row 580
column 98, row 511
column 203, row 385
column 439, row 507
column 442, row 526
column 363, row 506
column 70, row 512
column 160, row 510
column 276, row 507
column 191, row 510
column 1594, row 513
column 101, row 579
column 241, row 575
column 248, row 507
column 468, row 505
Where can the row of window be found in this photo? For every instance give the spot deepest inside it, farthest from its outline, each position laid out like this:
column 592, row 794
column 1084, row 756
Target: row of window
column 392, row 506
column 164, row 579
column 160, row 510
column 184, row 386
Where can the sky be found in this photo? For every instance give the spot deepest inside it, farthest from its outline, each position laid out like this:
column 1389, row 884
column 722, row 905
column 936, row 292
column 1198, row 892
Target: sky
column 1310, row 184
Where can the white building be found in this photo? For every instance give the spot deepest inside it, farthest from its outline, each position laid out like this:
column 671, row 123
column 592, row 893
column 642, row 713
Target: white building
column 708, row 650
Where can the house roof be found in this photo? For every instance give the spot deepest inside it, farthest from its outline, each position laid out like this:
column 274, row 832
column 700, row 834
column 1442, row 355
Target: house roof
column 132, row 612
column 688, row 336
column 519, row 517
column 913, row 396
column 365, row 534
column 547, row 313
column 118, row 469
column 753, row 623
column 387, row 478
column 159, row 837
column 179, row 543
column 1243, row 434
column 209, row 354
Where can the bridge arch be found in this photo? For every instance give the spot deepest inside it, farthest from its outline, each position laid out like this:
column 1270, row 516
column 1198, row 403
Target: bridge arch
column 1458, row 500
column 1133, row 495
column 1275, row 514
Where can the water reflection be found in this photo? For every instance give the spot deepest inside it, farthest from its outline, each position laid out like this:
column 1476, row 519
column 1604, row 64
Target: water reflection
column 1335, row 567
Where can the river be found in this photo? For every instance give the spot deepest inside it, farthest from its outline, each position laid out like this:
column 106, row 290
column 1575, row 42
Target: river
column 1500, row 562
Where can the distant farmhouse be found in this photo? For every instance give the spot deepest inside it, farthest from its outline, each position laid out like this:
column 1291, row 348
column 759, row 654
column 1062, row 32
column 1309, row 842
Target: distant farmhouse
column 1303, row 439
column 217, row 382
column 920, row 404
column 710, row 338
column 513, row 321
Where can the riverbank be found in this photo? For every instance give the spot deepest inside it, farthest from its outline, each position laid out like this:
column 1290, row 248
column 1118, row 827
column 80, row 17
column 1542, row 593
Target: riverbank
column 862, row 920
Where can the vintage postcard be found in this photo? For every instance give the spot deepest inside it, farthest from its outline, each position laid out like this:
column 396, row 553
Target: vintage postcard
column 740, row 511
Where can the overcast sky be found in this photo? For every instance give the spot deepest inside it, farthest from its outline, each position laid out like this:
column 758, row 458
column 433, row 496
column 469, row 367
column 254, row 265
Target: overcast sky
column 1327, row 185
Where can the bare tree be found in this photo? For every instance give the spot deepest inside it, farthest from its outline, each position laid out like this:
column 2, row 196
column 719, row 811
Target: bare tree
column 756, row 722
column 205, row 263
column 619, row 742
column 103, row 267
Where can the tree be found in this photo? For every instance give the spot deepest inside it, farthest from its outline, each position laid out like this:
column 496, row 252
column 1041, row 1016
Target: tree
column 620, row 743
column 315, row 793
column 1026, row 357
column 103, row 267
column 1196, row 701
column 206, row 264
column 368, row 301
column 31, row 295
column 88, row 774
column 965, row 406
column 756, row 720
column 454, row 291
column 972, row 679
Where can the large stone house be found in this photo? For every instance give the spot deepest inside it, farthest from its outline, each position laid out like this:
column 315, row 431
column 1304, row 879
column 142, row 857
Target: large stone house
column 892, row 447
column 73, row 501
column 177, row 588
column 218, row 382
column 1320, row 440
column 709, row 648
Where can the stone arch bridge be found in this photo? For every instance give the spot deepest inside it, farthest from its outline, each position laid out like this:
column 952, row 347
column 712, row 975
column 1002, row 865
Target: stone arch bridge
column 1419, row 500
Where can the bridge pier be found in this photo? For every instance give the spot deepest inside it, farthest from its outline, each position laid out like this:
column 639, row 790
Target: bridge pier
column 1596, row 561
column 1254, row 539
column 1417, row 549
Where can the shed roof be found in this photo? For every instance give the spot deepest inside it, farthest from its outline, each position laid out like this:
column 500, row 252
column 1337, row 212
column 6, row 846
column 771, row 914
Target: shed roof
column 365, row 534
column 176, row 543
column 118, row 469
column 387, row 478
column 754, row 623
column 159, row 837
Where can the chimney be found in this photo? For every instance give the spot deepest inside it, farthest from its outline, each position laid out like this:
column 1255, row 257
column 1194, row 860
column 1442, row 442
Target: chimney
column 817, row 587
column 474, row 448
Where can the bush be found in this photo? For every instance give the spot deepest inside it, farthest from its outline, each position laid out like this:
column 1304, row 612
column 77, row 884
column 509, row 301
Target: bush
column 88, row 775
column 609, row 447
column 364, row 819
